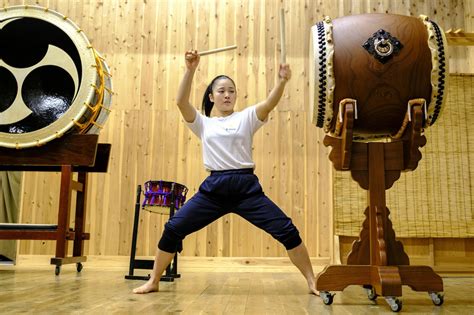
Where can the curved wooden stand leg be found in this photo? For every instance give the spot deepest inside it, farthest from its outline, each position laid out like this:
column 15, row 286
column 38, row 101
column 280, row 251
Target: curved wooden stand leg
column 386, row 280
column 338, row 277
column 421, row 278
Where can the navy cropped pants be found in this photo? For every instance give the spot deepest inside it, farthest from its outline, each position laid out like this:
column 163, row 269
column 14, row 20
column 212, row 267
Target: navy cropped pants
column 223, row 192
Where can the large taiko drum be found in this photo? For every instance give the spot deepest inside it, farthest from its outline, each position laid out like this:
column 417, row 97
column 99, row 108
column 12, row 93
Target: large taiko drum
column 52, row 80
column 381, row 62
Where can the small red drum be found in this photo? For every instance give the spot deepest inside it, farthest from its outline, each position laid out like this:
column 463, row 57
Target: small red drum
column 382, row 61
column 159, row 196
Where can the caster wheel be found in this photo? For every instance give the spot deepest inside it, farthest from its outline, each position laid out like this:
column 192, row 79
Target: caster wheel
column 394, row 303
column 79, row 267
column 327, row 297
column 371, row 294
column 437, row 298
column 57, row 270
column 397, row 307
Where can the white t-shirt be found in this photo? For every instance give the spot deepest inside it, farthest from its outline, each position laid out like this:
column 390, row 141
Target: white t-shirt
column 227, row 141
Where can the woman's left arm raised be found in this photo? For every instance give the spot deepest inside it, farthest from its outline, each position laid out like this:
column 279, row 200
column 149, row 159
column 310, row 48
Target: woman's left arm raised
column 265, row 107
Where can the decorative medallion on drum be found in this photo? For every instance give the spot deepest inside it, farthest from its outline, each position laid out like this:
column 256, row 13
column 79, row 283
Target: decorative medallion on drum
column 41, row 68
column 382, row 45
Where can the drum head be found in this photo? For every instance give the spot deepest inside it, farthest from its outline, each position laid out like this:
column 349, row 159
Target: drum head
column 48, row 66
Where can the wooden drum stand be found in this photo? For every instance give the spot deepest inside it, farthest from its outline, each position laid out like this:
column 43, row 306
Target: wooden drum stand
column 377, row 260
column 71, row 153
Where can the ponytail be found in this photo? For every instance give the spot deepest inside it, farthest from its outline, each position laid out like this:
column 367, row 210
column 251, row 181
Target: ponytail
column 207, row 104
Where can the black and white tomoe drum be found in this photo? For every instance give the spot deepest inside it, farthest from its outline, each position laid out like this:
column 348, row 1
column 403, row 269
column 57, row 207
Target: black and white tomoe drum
column 52, row 81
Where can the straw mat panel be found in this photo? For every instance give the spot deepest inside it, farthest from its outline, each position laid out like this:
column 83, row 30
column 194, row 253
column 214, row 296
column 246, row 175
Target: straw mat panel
column 435, row 200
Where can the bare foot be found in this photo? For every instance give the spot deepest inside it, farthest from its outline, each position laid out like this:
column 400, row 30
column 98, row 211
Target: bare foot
column 148, row 287
column 314, row 291
column 312, row 288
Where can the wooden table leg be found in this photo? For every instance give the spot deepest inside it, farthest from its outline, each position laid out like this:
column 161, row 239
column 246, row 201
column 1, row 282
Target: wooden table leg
column 80, row 218
column 64, row 211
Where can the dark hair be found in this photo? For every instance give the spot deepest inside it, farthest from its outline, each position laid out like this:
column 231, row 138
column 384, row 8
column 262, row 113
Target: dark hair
column 207, row 104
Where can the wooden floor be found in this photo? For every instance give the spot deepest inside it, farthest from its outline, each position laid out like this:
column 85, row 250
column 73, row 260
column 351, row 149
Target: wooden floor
column 206, row 287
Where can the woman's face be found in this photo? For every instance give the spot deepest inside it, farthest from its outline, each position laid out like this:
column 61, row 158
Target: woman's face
column 224, row 96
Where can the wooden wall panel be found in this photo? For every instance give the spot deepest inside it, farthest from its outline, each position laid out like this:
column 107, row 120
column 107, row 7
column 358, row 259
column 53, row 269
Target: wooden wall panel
column 143, row 42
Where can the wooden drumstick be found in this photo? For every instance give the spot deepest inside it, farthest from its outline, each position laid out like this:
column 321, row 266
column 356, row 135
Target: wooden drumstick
column 282, row 36
column 213, row 51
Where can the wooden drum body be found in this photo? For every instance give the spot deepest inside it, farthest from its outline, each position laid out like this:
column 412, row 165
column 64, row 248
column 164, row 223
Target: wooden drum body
column 53, row 81
column 381, row 62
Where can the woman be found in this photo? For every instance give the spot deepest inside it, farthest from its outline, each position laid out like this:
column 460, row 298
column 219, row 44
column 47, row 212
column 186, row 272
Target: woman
column 232, row 185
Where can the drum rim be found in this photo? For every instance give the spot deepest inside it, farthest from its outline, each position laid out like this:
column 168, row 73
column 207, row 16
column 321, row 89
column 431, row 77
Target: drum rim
column 85, row 92
column 318, row 37
column 164, row 181
column 437, row 44
column 107, row 102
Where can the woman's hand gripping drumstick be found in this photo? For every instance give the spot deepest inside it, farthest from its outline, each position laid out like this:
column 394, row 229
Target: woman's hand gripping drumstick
column 212, row 51
column 191, row 59
column 264, row 108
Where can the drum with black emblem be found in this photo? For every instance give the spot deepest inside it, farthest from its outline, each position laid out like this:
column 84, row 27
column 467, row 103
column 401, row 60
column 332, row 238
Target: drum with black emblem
column 380, row 62
column 52, row 80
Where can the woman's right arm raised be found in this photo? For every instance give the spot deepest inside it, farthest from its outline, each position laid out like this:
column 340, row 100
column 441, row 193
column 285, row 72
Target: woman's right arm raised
column 184, row 90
